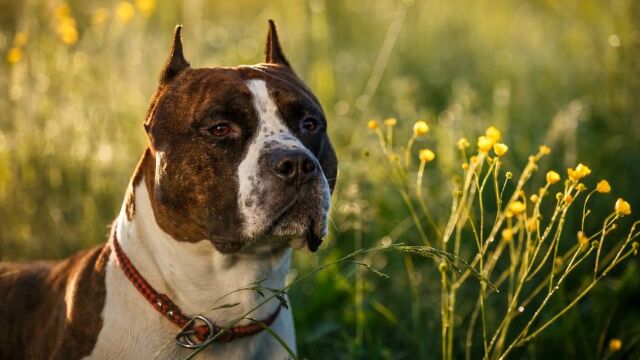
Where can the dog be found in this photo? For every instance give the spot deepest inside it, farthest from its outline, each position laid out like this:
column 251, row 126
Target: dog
column 238, row 171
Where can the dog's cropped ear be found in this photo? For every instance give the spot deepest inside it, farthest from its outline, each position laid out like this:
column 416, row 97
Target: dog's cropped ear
column 176, row 62
column 273, row 51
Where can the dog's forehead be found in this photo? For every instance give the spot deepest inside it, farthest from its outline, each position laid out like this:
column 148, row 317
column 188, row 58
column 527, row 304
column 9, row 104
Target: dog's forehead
column 227, row 83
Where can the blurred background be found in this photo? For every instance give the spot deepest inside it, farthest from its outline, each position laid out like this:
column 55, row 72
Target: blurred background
column 76, row 78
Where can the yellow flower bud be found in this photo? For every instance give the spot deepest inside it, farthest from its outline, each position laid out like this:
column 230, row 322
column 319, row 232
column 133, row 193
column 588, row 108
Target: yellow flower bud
column 508, row 175
column 622, row 207
column 507, row 234
column 553, row 177
column 465, row 166
column 372, row 124
column 426, row 155
column 125, row 12
column 500, row 149
column 493, row 134
column 544, row 150
column 534, row 198
column 390, row 122
column 615, row 345
column 582, row 238
column 14, row 55
column 484, row 144
column 603, row 187
column 462, row 143
column 420, row 128
column 517, row 207
column 532, row 224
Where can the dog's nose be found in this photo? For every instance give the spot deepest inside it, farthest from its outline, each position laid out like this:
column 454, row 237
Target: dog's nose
column 295, row 167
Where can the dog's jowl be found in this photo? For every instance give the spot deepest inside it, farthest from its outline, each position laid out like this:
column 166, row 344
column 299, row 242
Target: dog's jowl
column 238, row 171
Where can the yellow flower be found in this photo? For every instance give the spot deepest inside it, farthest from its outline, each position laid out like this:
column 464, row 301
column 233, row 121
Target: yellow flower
column 544, row 150
column 622, row 207
column 146, row 7
column 390, row 122
column 615, row 345
column 582, row 238
column 603, row 187
column 465, row 166
column 568, row 198
column 420, row 128
column 62, row 11
column 553, row 177
column 507, row 234
column 372, row 124
column 462, row 143
column 125, row 12
column 100, row 16
column 580, row 172
column 493, row 134
column 517, row 207
column 426, row 155
column 484, row 144
column 500, row 149
column 14, row 55
column 534, row 198
column 67, row 30
column 21, row 38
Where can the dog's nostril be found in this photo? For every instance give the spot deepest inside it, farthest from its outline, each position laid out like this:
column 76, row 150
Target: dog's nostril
column 285, row 167
column 308, row 166
column 294, row 167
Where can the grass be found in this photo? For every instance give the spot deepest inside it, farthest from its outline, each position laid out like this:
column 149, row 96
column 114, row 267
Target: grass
column 76, row 81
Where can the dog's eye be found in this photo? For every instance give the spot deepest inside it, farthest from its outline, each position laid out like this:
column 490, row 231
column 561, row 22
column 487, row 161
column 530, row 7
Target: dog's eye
column 310, row 124
column 220, row 130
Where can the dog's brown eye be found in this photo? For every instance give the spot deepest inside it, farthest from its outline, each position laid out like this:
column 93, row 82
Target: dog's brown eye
column 310, row 124
column 220, row 130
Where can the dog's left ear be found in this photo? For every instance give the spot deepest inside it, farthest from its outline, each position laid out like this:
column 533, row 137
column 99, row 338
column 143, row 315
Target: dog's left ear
column 273, row 51
column 176, row 62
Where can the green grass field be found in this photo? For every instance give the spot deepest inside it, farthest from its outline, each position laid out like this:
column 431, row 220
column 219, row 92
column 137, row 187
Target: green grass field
column 76, row 78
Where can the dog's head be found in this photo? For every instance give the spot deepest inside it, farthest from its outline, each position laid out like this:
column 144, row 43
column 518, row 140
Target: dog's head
column 241, row 155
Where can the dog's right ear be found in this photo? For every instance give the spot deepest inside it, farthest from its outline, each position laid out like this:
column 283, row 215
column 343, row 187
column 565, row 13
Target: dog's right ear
column 176, row 62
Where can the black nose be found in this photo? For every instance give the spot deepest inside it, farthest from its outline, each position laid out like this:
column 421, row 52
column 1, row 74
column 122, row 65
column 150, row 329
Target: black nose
column 295, row 167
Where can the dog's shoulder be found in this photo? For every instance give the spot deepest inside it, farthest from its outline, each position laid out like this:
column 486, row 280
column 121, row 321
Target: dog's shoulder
column 52, row 308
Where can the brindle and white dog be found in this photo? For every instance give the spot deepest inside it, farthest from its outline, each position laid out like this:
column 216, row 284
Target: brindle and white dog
column 238, row 170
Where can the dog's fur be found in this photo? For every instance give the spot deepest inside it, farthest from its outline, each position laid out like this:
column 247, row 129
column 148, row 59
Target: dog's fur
column 238, row 169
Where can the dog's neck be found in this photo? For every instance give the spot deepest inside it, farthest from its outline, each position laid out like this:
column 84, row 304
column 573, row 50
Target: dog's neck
column 195, row 275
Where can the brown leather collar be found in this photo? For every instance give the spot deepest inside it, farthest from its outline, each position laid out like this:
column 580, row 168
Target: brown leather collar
column 191, row 335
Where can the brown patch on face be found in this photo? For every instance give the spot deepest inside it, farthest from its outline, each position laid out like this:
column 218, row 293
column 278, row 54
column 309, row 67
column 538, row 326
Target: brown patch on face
column 33, row 311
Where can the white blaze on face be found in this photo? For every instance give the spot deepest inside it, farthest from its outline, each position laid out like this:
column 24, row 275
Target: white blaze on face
column 273, row 132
